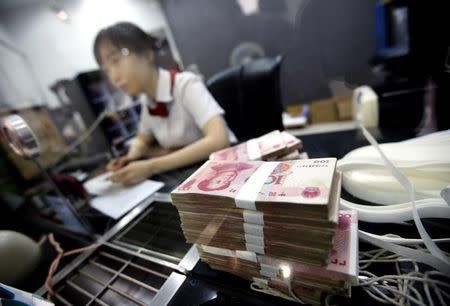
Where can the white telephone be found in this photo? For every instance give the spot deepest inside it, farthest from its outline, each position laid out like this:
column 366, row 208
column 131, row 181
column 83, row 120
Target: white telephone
column 425, row 161
column 421, row 167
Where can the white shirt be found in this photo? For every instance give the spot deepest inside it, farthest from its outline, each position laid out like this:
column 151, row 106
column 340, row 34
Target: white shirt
column 190, row 108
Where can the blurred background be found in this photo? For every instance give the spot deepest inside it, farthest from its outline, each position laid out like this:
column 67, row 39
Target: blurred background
column 294, row 64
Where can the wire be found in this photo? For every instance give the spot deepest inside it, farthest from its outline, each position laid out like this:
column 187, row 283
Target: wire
column 400, row 240
column 54, row 265
column 291, row 292
column 418, row 302
column 414, row 287
column 436, row 259
column 429, row 208
column 83, row 137
column 260, row 286
column 390, row 277
column 404, row 181
column 427, row 292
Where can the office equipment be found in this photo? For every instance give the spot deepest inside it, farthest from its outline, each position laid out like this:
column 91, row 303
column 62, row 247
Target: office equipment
column 365, row 106
column 91, row 94
column 424, row 160
column 130, row 267
column 251, row 97
column 434, row 256
column 409, row 62
column 23, row 142
column 51, row 143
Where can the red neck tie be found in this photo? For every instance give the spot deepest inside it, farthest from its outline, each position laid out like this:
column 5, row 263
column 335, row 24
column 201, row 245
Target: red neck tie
column 160, row 108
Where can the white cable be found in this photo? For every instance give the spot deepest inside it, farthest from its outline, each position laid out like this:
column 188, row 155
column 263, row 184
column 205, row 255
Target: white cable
column 437, row 202
column 82, row 138
column 425, row 163
column 426, row 288
column 395, row 277
column 439, row 293
column 347, row 165
column 441, row 261
column 382, row 299
column 403, row 241
column 402, row 286
column 416, row 255
column 399, row 293
column 409, row 286
column 86, row 134
column 404, row 283
column 260, row 286
column 437, row 273
column 397, row 213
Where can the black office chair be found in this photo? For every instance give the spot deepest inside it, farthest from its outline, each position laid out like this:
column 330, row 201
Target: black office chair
column 251, row 97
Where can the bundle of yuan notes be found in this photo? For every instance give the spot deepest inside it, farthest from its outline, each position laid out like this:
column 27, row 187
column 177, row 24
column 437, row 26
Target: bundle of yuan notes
column 275, row 145
column 308, row 282
column 251, row 218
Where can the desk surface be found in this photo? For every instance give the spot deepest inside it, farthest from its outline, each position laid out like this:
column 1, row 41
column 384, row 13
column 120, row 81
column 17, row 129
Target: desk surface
column 203, row 284
column 330, row 144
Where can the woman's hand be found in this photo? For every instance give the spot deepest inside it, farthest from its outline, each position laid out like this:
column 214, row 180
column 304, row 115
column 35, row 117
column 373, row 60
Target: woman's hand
column 118, row 163
column 137, row 150
column 133, row 173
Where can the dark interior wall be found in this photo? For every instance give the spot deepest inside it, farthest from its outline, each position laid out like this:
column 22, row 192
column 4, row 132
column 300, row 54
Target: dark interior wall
column 321, row 40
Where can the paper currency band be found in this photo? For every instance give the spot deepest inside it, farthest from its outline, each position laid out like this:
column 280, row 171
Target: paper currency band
column 254, row 217
column 254, row 229
column 254, row 248
column 246, row 255
column 268, row 271
column 253, row 151
column 254, row 240
column 217, row 251
column 247, row 195
column 265, row 270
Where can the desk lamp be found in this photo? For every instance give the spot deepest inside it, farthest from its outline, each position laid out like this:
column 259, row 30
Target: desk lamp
column 23, row 142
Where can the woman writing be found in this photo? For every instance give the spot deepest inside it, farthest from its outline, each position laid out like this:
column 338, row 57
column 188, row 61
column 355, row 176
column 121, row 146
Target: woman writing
column 178, row 110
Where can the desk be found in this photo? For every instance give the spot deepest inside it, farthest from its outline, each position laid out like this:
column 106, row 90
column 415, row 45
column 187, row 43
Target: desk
column 190, row 281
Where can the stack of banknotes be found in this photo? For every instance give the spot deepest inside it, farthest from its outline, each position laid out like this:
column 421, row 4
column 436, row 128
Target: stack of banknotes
column 275, row 145
column 309, row 283
column 257, row 219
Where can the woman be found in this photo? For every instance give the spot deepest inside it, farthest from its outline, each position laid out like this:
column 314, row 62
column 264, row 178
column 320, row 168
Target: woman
column 178, row 110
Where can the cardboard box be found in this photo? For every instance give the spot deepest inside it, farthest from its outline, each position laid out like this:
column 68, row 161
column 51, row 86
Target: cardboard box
column 344, row 107
column 331, row 110
column 323, row 111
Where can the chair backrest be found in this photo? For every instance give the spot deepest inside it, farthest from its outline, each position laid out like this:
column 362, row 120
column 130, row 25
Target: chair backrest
column 251, row 97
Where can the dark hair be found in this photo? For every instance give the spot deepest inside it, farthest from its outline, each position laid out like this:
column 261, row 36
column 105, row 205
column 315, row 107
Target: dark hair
column 124, row 35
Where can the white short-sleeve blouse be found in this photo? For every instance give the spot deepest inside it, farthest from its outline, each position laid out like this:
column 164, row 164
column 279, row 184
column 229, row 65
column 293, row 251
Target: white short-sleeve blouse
column 190, row 107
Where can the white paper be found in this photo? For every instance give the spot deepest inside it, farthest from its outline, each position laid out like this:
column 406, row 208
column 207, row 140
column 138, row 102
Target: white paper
column 100, row 185
column 294, row 121
column 113, row 199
